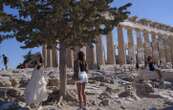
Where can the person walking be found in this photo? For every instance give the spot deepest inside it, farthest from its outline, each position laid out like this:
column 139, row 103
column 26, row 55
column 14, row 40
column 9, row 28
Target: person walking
column 81, row 78
column 36, row 91
column 5, row 61
column 153, row 67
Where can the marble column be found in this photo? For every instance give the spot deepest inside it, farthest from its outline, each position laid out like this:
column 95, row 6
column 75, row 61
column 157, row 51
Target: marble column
column 147, row 51
column 110, row 49
column 91, row 56
column 44, row 54
column 54, row 56
column 99, row 51
column 168, row 49
column 83, row 49
column 162, row 54
column 51, row 57
column 121, row 48
column 165, row 49
column 171, row 47
column 140, row 55
column 48, row 57
column 131, row 50
column 75, row 53
column 155, row 48
column 70, row 57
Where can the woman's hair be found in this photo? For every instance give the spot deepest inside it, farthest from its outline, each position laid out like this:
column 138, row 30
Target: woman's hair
column 40, row 59
column 81, row 56
column 149, row 58
column 39, row 62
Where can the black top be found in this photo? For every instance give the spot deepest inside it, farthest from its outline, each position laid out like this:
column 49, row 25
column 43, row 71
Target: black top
column 151, row 66
column 82, row 66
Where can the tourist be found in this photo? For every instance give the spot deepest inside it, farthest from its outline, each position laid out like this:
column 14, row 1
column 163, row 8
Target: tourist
column 81, row 78
column 152, row 67
column 150, row 63
column 5, row 61
column 36, row 91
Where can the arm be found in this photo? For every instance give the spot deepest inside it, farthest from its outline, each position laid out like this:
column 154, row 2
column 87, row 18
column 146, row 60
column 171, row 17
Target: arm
column 86, row 67
column 75, row 70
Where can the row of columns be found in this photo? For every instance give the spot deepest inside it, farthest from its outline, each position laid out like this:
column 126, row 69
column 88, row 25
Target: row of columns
column 158, row 48
column 144, row 47
column 50, row 56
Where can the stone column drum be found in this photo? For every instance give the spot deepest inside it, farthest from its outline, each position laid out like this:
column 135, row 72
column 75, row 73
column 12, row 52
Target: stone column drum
column 121, row 49
column 131, row 50
column 110, row 49
column 99, row 51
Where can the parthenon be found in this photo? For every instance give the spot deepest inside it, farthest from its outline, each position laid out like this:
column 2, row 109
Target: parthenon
column 144, row 38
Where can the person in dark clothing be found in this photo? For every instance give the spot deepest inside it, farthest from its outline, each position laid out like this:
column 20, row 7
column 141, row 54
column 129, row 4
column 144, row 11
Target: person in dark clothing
column 151, row 66
column 137, row 62
column 81, row 78
column 5, row 61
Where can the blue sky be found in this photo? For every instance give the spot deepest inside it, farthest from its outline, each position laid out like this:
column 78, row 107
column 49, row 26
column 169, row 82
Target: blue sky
column 156, row 10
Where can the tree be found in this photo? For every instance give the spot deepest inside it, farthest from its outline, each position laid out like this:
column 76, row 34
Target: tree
column 70, row 22
column 29, row 60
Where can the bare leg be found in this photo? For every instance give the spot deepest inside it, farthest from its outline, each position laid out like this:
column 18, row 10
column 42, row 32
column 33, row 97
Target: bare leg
column 83, row 94
column 79, row 90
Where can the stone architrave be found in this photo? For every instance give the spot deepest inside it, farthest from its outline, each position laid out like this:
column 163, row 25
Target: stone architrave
column 110, row 49
column 99, row 51
column 155, row 48
column 131, row 50
column 121, row 48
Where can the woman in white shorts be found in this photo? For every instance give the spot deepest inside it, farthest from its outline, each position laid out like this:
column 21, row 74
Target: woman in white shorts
column 81, row 78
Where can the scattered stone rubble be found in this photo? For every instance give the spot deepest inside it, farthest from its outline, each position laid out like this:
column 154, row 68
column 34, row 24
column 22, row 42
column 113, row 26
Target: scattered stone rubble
column 110, row 88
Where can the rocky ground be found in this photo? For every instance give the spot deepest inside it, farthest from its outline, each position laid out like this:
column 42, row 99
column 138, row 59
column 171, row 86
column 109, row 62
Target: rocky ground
column 111, row 88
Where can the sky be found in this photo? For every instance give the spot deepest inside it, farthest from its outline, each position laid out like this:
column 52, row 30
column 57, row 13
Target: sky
column 156, row 10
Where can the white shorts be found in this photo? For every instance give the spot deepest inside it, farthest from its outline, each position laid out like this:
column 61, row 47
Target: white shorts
column 83, row 77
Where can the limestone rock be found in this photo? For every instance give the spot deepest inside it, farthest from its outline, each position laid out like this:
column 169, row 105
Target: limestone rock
column 124, row 94
column 105, row 102
column 14, row 82
column 104, row 95
column 53, row 82
column 13, row 93
column 23, row 83
column 71, row 95
column 144, row 88
column 5, row 83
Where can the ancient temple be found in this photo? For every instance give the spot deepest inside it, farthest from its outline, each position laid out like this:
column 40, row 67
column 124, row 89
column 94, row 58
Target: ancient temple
column 152, row 39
